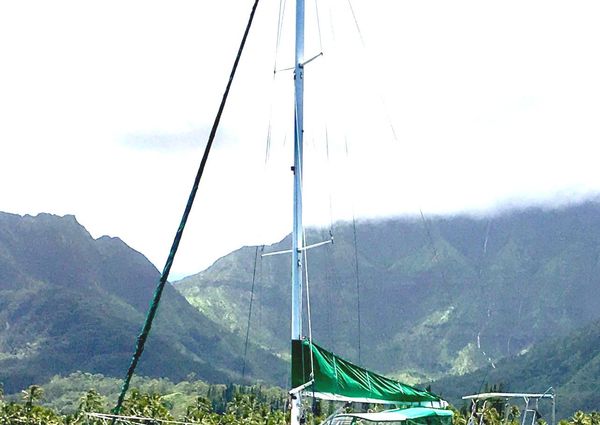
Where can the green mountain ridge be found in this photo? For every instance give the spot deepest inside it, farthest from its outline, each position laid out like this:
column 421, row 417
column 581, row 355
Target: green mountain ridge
column 438, row 297
column 69, row 302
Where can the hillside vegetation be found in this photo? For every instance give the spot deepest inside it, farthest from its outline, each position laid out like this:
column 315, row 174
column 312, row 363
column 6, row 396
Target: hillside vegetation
column 69, row 302
column 193, row 402
column 570, row 364
column 440, row 296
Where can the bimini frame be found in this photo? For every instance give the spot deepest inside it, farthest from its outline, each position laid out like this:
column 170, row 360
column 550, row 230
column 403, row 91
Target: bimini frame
column 529, row 414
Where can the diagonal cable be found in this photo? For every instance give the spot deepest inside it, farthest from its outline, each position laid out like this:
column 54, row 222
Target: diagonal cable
column 250, row 312
column 141, row 340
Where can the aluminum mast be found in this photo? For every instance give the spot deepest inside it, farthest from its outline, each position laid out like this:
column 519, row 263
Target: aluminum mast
column 297, row 231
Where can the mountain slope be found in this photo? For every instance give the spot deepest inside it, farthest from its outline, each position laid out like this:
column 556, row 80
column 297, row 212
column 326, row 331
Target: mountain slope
column 69, row 302
column 570, row 364
column 439, row 296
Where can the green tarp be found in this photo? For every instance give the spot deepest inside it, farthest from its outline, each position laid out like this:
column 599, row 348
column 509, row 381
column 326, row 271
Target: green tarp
column 338, row 379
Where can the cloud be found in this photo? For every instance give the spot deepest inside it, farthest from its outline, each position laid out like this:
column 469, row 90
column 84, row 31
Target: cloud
column 167, row 142
column 491, row 105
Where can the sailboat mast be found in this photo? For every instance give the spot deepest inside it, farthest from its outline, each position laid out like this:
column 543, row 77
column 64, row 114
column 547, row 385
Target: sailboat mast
column 297, row 231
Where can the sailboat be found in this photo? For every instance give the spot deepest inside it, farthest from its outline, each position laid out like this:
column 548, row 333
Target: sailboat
column 319, row 373
column 315, row 372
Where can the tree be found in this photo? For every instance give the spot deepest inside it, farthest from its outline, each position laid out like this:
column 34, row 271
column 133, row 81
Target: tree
column 32, row 395
column 146, row 405
column 201, row 412
column 580, row 418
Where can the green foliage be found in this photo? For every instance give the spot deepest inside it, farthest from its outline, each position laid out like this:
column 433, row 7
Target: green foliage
column 492, row 416
column 32, row 395
column 570, row 364
column 582, row 418
column 28, row 412
column 91, row 401
column 146, row 405
column 70, row 302
column 240, row 405
column 248, row 405
column 199, row 411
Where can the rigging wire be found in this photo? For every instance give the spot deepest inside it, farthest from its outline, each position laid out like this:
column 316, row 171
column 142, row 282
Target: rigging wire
column 329, row 260
column 329, row 183
column 309, row 317
column 356, row 270
column 318, row 26
column 331, row 26
column 281, row 14
column 436, row 257
column 308, row 310
column 332, row 276
column 429, row 237
column 250, row 312
column 362, row 40
column 268, row 144
column 357, row 286
column 259, row 292
column 141, row 340
column 377, row 89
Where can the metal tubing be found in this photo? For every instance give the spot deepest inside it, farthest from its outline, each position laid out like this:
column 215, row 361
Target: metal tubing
column 297, row 233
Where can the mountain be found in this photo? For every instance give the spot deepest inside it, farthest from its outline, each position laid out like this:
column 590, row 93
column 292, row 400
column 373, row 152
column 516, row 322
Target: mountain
column 69, row 302
column 570, row 364
column 438, row 296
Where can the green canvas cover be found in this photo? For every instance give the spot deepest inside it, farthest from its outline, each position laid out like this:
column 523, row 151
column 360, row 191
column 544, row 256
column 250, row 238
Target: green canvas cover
column 338, row 379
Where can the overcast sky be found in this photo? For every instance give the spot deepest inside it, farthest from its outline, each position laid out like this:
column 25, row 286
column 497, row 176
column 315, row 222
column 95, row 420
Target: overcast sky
column 439, row 106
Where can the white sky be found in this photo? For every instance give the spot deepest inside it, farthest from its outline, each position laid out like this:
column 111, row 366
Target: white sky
column 105, row 108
